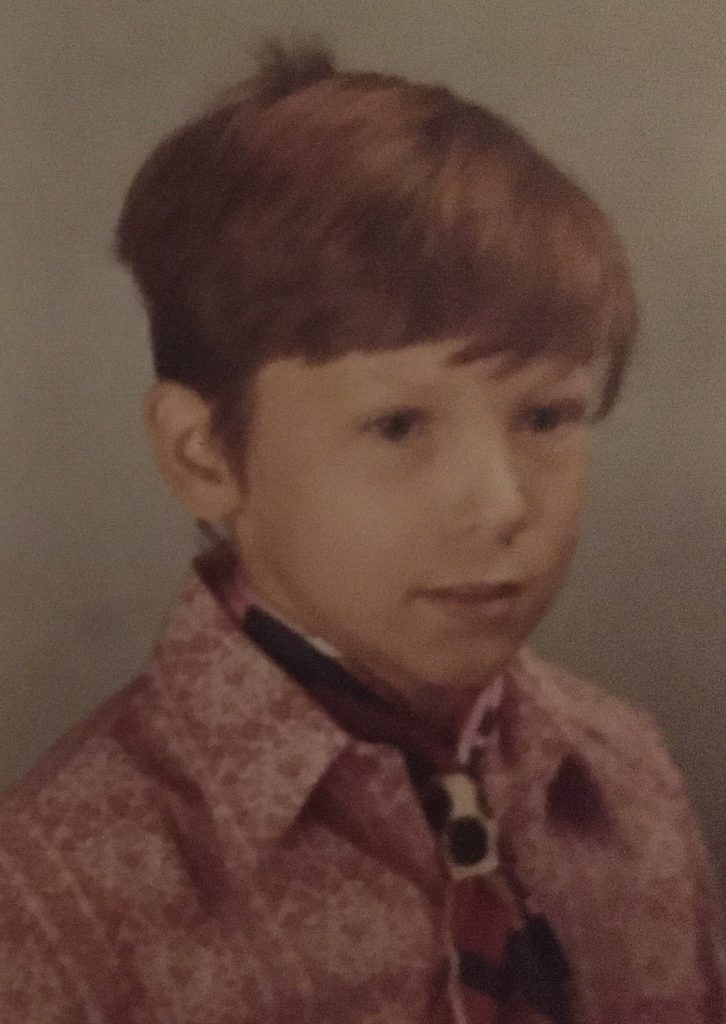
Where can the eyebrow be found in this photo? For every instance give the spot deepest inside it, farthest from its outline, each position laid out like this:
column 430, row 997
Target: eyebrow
column 559, row 368
column 465, row 353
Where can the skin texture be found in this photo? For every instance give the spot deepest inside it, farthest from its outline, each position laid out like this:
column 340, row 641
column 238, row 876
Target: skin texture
column 378, row 476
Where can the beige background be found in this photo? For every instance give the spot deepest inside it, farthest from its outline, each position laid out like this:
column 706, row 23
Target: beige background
column 626, row 94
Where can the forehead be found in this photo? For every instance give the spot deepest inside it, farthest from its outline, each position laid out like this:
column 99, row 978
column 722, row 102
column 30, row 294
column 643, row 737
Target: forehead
column 424, row 368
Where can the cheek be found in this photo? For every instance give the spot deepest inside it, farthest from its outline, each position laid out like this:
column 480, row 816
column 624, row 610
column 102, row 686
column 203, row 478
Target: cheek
column 563, row 490
column 355, row 509
column 335, row 533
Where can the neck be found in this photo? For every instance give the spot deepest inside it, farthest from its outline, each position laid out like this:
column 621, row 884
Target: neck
column 443, row 712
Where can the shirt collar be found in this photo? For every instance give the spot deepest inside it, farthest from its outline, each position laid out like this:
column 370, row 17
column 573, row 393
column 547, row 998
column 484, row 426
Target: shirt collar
column 250, row 741
column 220, row 569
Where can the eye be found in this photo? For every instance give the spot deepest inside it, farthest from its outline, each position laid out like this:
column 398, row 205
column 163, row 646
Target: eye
column 544, row 419
column 399, row 424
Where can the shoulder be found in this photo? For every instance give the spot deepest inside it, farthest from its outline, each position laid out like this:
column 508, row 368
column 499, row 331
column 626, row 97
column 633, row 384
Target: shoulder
column 172, row 763
column 85, row 796
column 92, row 825
column 79, row 841
column 576, row 737
column 652, row 842
column 594, row 719
column 569, row 735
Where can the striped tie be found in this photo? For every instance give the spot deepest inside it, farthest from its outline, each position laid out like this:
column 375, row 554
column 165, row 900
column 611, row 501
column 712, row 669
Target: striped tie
column 506, row 966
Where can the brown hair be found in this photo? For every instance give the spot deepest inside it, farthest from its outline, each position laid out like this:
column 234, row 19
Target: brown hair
column 314, row 211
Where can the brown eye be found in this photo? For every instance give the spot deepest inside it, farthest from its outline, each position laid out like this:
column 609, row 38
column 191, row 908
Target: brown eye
column 398, row 425
column 543, row 419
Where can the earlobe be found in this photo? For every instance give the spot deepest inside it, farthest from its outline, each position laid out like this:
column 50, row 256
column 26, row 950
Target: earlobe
column 177, row 423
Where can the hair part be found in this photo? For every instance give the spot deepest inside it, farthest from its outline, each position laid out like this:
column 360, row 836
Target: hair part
column 314, row 212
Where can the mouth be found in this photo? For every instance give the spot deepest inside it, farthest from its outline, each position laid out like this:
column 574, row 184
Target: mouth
column 476, row 603
column 475, row 593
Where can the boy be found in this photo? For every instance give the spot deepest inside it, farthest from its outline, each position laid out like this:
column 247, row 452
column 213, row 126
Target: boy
column 341, row 789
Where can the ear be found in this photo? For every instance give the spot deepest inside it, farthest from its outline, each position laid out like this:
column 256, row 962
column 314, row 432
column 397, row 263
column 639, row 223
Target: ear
column 177, row 421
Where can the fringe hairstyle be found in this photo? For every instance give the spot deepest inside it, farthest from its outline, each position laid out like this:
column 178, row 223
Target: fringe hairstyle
column 314, row 212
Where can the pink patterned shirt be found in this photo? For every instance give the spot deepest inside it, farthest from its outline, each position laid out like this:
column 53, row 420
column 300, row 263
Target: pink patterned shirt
column 211, row 848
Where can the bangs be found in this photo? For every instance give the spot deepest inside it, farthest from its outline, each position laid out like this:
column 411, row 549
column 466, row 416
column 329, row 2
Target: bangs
column 548, row 277
column 362, row 213
column 507, row 253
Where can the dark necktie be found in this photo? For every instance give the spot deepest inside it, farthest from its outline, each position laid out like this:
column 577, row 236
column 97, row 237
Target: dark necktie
column 506, row 965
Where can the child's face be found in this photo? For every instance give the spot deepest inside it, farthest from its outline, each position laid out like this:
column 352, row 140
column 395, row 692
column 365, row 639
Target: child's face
column 378, row 479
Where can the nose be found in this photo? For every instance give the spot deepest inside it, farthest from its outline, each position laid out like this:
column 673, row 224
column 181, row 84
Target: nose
column 487, row 492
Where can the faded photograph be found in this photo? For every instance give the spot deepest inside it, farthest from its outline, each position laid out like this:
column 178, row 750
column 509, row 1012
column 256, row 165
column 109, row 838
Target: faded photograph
column 363, row 649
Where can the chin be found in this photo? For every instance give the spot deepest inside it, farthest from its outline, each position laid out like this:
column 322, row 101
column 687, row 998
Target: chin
column 468, row 673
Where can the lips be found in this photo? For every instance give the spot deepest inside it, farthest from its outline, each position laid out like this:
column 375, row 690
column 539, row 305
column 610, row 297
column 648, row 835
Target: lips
column 476, row 605
column 475, row 593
